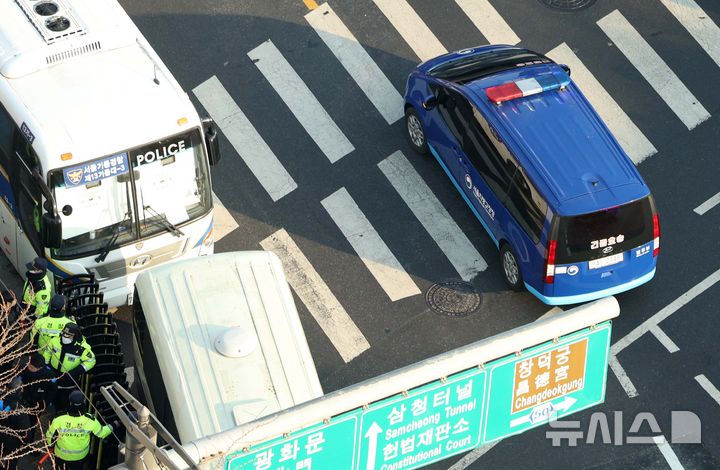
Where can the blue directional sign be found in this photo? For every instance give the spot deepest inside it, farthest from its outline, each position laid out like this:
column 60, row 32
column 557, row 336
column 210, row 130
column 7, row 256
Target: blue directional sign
column 447, row 417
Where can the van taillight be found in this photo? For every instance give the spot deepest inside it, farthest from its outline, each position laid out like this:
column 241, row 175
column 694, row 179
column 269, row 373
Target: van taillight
column 656, row 235
column 550, row 266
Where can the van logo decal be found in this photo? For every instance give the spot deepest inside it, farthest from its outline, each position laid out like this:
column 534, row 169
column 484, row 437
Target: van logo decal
column 607, row 249
column 483, row 202
column 573, row 270
column 606, row 242
column 468, row 181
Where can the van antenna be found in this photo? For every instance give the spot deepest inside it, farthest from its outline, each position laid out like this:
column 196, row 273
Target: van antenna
column 155, row 79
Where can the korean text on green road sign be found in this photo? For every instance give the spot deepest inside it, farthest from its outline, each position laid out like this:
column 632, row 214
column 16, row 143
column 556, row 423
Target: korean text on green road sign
column 447, row 417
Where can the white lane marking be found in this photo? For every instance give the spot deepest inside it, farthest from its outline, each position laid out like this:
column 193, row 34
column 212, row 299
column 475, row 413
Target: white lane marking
column 664, row 339
column 432, row 215
column 707, row 205
column 412, row 28
column 488, row 21
column 130, row 374
column 317, row 297
column 709, row 388
column 223, row 222
column 668, row 453
column 622, row 377
column 472, row 456
column 367, row 243
column 302, row 103
column 549, row 313
column 358, row 63
column 653, row 69
column 668, row 310
column 244, row 138
column 637, row 146
column 698, row 24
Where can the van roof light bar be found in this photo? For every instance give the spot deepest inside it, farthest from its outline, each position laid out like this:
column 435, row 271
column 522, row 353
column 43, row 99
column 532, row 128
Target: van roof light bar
column 525, row 87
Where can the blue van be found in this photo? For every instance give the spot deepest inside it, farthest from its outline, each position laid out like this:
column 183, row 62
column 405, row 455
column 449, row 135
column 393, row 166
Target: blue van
column 572, row 217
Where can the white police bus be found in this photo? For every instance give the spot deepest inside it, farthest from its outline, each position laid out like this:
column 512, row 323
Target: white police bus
column 103, row 158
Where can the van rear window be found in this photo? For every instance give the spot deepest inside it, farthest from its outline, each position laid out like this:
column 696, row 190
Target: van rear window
column 602, row 233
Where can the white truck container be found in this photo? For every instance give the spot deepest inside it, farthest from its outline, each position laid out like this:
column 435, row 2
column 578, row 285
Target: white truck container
column 218, row 342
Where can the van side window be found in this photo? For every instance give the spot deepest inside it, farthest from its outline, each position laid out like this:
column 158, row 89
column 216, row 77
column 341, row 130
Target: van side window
column 478, row 147
column 526, row 205
column 447, row 107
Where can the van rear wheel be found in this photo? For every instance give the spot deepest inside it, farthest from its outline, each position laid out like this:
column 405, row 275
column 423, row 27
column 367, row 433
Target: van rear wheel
column 511, row 268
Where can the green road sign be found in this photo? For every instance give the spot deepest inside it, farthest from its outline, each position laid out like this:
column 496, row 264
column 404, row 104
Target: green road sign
column 553, row 379
column 447, row 417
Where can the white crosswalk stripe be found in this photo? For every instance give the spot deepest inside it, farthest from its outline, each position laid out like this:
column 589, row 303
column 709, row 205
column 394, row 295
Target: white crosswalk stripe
column 653, row 69
column 317, row 297
column 358, row 63
column 244, row 138
column 302, row 103
column 432, row 215
column 698, row 24
column 367, row 243
column 487, row 20
column 223, row 221
column 412, row 28
column 637, row 146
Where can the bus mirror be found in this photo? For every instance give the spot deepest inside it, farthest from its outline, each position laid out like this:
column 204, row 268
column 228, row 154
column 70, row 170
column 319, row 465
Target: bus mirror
column 51, row 231
column 211, row 140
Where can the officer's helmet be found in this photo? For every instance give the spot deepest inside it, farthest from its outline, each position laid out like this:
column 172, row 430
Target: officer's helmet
column 76, row 401
column 70, row 333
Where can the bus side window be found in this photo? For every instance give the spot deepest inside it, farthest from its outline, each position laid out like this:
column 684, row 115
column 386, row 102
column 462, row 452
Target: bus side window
column 27, row 192
column 6, row 134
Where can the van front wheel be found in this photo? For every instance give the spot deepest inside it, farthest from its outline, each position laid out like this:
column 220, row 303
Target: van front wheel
column 415, row 131
column 511, row 268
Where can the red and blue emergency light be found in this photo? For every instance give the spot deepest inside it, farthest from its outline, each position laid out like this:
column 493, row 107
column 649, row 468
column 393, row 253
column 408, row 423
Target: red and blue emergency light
column 526, row 87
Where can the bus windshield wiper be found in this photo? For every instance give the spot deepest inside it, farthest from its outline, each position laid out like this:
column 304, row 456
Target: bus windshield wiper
column 115, row 234
column 165, row 222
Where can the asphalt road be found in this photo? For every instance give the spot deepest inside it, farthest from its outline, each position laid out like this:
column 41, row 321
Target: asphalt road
column 201, row 40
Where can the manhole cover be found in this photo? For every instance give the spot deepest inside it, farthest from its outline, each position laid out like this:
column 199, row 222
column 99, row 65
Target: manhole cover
column 568, row 5
column 453, row 298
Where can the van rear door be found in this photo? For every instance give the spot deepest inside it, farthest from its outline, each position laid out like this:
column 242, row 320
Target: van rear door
column 606, row 248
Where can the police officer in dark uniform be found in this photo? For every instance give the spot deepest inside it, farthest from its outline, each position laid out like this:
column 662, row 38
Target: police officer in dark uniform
column 39, row 383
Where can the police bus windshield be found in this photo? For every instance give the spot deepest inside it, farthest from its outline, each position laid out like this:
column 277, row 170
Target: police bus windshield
column 131, row 195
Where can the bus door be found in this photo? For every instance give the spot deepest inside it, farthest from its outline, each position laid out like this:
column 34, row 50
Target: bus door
column 28, row 197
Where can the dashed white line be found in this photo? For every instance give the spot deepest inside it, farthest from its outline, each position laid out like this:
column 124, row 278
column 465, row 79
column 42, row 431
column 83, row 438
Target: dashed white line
column 317, row 297
column 358, row 63
column 247, row 142
column 472, row 456
column 488, row 21
column 707, row 205
column 654, row 69
column 709, row 387
column 668, row 453
column 622, row 377
column 664, row 339
column 412, row 28
column 637, row 146
column 698, row 24
column 367, row 243
column 432, row 215
column 302, row 103
column 671, row 308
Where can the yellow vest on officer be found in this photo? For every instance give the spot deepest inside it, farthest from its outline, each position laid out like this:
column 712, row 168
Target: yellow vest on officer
column 79, row 353
column 40, row 299
column 73, row 442
column 47, row 328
